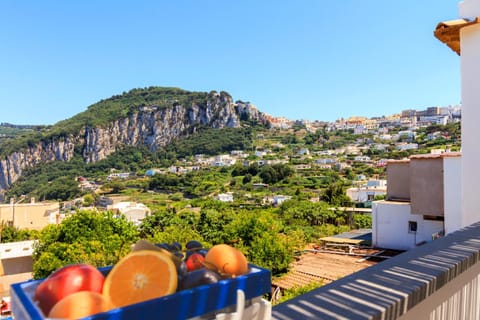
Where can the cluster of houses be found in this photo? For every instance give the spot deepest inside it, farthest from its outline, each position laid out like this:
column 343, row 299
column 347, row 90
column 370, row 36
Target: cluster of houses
column 412, row 119
column 408, row 187
column 384, row 130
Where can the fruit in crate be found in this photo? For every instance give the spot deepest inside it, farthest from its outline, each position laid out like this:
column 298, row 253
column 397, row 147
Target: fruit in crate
column 65, row 281
column 78, row 305
column 226, row 260
column 197, row 278
column 143, row 244
column 194, row 261
column 149, row 271
column 193, row 245
column 139, row 276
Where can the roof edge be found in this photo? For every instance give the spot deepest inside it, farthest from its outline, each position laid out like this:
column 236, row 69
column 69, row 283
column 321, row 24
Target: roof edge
column 448, row 32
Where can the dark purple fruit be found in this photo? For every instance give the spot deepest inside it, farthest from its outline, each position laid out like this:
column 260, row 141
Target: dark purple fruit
column 182, row 270
column 188, row 253
column 193, row 244
column 203, row 252
column 163, row 245
column 176, row 246
column 197, row 278
column 178, row 254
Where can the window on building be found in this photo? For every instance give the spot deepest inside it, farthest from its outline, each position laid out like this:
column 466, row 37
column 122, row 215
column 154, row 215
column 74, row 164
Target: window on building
column 412, row 226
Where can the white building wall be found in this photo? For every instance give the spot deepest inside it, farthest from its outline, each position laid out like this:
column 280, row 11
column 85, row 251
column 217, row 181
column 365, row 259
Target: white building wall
column 452, row 190
column 470, row 69
column 16, row 249
column 361, row 194
column 390, row 222
column 469, row 8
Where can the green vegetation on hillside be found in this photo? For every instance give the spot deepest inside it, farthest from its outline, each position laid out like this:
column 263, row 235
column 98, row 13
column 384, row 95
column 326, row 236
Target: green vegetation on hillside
column 124, row 105
column 11, row 131
column 57, row 180
column 106, row 111
column 16, row 135
column 210, row 141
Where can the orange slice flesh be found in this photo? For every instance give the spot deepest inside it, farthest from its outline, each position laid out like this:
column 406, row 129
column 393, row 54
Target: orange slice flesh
column 139, row 276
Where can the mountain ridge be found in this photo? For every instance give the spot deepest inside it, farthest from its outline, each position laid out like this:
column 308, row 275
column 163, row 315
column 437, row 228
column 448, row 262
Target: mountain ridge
column 150, row 117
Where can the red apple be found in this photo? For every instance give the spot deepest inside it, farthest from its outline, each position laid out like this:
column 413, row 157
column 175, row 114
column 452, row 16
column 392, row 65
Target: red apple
column 67, row 280
column 194, row 261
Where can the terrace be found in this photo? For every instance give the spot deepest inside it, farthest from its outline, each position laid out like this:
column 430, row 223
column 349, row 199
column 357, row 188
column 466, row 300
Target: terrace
column 438, row 280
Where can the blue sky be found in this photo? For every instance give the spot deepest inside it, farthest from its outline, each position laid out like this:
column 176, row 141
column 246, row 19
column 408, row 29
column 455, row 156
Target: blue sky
column 300, row 59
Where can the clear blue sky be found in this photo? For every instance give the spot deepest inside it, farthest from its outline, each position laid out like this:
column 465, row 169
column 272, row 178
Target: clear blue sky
column 301, row 59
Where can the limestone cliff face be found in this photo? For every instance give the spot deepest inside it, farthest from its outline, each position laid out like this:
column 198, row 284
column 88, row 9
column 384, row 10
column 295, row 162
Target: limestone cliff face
column 13, row 165
column 152, row 126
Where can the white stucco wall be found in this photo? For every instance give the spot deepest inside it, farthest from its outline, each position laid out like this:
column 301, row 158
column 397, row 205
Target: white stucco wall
column 452, row 193
column 361, row 194
column 470, row 69
column 469, row 8
column 16, row 249
column 390, row 226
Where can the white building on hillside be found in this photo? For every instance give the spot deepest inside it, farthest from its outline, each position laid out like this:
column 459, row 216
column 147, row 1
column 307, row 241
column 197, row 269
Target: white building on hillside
column 225, row 197
column 279, row 199
column 364, row 194
column 133, row 211
column 423, row 201
column 367, row 192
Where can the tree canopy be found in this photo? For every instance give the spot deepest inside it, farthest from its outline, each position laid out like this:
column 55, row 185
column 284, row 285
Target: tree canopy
column 97, row 238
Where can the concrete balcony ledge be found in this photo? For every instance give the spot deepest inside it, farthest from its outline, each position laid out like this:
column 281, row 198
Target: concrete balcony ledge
column 439, row 280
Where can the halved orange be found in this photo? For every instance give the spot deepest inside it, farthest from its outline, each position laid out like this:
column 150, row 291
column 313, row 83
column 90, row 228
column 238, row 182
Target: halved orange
column 139, row 276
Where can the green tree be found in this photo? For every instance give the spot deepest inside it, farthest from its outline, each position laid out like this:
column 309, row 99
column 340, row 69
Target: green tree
column 156, row 222
column 212, row 224
column 361, row 221
column 12, row 234
column 259, row 235
column 115, row 186
column 335, row 195
column 176, row 233
column 247, row 178
column 88, row 200
column 271, row 251
column 305, row 213
column 97, row 238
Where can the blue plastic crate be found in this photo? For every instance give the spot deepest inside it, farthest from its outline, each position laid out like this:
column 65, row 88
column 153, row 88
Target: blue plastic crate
column 185, row 304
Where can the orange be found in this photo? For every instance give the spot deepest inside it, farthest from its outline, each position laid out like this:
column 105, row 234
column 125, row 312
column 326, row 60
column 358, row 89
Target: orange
column 226, row 260
column 79, row 304
column 143, row 244
column 139, row 276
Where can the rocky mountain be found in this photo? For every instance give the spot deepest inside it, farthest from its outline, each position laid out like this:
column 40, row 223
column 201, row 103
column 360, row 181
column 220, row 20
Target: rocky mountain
column 150, row 117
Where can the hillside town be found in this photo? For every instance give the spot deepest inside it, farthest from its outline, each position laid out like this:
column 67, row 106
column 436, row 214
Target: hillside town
column 396, row 132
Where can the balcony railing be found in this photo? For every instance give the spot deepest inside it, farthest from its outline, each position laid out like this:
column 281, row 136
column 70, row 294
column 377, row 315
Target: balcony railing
column 439, row 280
